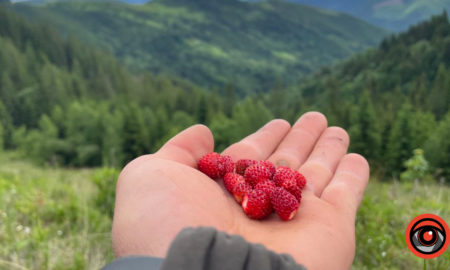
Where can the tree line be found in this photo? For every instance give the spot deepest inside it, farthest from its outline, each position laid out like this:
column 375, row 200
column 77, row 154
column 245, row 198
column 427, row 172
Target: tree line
column 64, row 103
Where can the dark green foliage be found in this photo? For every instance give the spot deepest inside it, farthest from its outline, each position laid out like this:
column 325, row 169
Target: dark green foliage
column 389, row 98
column 392, row 99
column 439, row 100
column 400, row 143
column 213, row 43
column 365, row 128
column 437, row 148
column 6, row 126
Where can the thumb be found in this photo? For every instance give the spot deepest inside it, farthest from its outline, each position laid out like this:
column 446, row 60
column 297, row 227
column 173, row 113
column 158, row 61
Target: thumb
column 188, row 146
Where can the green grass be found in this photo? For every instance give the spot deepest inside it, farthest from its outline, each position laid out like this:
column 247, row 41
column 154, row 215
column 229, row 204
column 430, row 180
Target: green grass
column 53, row 218
column 49, row 218
column 386, row 210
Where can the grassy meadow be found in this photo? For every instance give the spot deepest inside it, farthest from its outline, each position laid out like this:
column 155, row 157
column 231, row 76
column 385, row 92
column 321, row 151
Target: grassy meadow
column 50, row 219
column 54, row 218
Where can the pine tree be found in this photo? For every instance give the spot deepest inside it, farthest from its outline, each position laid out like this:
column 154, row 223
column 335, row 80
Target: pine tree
column 439, row 99
column 365, row 130
column 401, row 140
column 250, row 115
column 1, row 137
column 230, row 99
column 437, row 148
column 334, row 101
column 135, row 133
column 7, row 127
column 202, row 111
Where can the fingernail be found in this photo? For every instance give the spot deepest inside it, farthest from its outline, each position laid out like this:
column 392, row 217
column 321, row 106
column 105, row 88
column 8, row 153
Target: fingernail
column 282, row 163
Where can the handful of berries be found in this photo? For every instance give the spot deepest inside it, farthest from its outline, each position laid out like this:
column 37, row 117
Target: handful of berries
column 258, row 186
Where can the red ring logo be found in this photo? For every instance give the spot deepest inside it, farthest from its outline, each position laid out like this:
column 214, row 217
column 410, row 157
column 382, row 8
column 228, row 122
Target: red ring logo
column 427, row 236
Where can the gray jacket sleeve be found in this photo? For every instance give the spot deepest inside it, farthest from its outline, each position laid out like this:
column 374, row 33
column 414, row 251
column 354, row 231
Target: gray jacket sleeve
column 208, row 249
column 135, row 263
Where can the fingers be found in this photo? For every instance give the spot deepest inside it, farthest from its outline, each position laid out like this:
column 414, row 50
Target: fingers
column 260, row 144
column 298, row 144
column 188, row 146
column 346, row 189
column 321, row 164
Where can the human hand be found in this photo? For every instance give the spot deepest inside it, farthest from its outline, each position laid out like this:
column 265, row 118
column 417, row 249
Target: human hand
column 160, row 194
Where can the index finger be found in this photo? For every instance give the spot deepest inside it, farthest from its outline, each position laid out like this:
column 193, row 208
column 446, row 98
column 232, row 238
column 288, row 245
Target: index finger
column 261, row 144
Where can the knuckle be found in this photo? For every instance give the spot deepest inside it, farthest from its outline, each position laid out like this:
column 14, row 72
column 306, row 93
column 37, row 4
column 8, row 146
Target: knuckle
column 337, row 135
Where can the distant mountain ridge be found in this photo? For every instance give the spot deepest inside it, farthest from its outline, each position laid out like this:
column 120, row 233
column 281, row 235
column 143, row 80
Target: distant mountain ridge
column 213, row 43
column 396, row 15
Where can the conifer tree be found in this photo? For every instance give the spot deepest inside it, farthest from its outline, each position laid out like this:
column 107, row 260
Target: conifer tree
column 401, row 140
column 365, row 130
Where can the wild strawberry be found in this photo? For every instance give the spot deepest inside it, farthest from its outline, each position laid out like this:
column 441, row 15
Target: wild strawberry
column 269, row 165
column 230, row 180
column 281, row 174
column 284, row 203
column 267, row 186
column 301, row 180
column 290, row 185
column 215, row 165
column 239, row 191
column 256, row 204
column 256, row 173
column 209, row 165
column 243, row 164
column 226, row 164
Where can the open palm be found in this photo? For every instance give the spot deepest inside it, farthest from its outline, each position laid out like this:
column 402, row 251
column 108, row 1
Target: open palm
column 160, row 194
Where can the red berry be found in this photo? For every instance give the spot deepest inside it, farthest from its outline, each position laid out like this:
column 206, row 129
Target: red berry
column 267, row 186
column 301, row 180
column 290, row 185
column 284, row 203
column 240, row 190
column 215, row 165
column 226, row 164
column 230, row 180
column 243, row 164
column 269, row 165
column 256, row 204
column 208, row 165
column 256, row 173
column 281, row 174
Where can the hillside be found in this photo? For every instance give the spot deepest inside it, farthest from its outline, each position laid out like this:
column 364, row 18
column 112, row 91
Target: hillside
column 213, row 43
column 62, row 102
column 395, row 15
column 393, row 99
column 77, row 107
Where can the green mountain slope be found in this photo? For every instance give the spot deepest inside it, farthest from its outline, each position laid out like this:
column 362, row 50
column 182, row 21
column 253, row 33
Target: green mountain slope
column 212, row 43
column 63, row 102
column 389, row 98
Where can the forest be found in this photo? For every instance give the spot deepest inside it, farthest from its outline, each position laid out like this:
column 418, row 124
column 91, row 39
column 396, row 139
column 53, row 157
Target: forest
column 67, row 104
column 213, row 43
